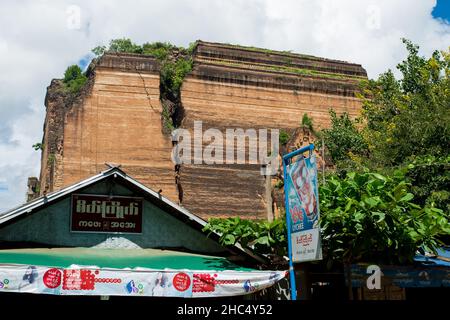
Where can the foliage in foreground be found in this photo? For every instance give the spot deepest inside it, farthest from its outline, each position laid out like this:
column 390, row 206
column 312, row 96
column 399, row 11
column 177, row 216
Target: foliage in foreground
column 263, row 236
column 343, row 138
column 371, row 217
column 364, row 217
column 430, row 179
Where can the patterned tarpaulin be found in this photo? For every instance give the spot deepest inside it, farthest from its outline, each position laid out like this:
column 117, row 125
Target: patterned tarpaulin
column 144, row 272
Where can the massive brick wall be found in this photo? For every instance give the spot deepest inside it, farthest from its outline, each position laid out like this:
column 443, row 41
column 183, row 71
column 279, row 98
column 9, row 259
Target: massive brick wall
column 235, row 87
column 118, row 121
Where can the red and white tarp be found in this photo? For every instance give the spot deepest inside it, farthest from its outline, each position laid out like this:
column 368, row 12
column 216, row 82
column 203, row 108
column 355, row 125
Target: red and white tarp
column 81, row 280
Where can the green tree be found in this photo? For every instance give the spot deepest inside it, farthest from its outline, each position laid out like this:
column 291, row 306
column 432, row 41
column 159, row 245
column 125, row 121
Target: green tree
column 74, row 79
column 343, row 138
column 430, row 179
column 159, row 50
column 119, row 45
column 172, row 75
column 411, row 116
column 405, row 122
column 73, row 72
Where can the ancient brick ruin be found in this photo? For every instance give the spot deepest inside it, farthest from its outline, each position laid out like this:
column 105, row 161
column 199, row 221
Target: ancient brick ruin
column 117, row 118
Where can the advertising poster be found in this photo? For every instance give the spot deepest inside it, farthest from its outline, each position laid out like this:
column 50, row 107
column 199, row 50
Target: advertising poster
column 81, row 280
column 303, row 209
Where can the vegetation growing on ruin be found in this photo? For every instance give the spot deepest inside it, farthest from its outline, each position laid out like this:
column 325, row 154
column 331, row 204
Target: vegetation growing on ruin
column 172, row 75
column 38, row 146
column 176, row 63
column 270, row 51
column 307, row 122
column 284, row 137
column 279, row 184
column 287, row 69
column 51, row 159
column 74, row 79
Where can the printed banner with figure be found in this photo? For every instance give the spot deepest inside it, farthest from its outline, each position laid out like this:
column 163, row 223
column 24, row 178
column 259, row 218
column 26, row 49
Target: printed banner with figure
column 303, row 207
column 91, row 280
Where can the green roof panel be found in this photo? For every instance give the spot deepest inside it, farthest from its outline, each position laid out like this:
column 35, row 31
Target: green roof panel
column 116, row 258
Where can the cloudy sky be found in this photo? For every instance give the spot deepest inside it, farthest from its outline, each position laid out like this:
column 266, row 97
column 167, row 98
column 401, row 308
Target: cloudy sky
column 39, row 39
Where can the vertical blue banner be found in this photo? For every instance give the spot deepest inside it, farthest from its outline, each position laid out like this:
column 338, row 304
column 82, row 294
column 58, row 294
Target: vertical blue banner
column 302, row 208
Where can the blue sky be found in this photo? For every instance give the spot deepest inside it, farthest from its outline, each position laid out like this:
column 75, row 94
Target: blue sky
column 83, row 63
column 442, row 10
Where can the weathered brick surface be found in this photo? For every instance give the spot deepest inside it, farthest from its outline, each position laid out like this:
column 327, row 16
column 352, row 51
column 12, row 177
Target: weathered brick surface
column 233, row 87
column 119, row 122
column 117, row 119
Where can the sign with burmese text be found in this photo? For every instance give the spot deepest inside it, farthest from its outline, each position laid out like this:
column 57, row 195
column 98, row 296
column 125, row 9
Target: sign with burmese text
column 301, row 190
column 94, row 213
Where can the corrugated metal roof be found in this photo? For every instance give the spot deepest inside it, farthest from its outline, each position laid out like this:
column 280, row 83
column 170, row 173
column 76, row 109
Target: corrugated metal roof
column 442, row 258
column 116, row 258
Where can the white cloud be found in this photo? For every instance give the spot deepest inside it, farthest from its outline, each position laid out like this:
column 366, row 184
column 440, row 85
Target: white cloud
column 366, row 32
column 38, row 41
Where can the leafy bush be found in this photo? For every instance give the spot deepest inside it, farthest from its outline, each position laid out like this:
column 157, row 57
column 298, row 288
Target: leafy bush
column 191, row 48
column 307, row 122
column 370, row 217
column 365, row 217
column 74, row 79
column 263, row 236
column 73, row 72
column 159, row 50
column 343, row 138
column 118, row 45
column 38, row 146
column 440, row 199
column 172, row 75
column 410, row 116
column 430, row 179
column 284, row 137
